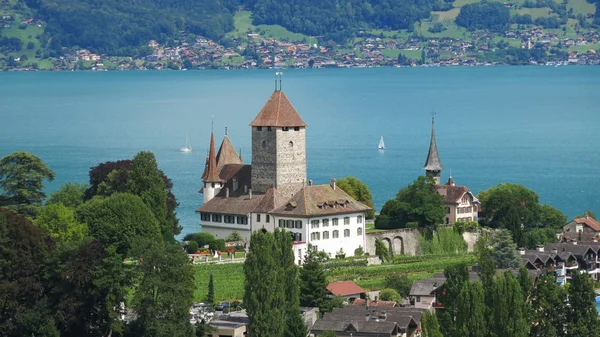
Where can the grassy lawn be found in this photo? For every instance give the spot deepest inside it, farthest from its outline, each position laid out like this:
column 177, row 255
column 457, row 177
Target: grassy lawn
column 29, row 34
column 228, row 280
column 242, row 22
column 449, row 15
column 411, row 54
column 452, row 30
column 581, row 7
column 535, row 12
column 460, row 3
column 583, row 49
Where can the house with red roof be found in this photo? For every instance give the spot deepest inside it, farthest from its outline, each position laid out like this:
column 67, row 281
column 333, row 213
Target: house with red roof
column 346, row 289
column 584, row 228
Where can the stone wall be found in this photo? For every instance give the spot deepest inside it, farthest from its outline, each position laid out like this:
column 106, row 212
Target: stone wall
column 291, row 161
column 402, row 241
column 264, row 157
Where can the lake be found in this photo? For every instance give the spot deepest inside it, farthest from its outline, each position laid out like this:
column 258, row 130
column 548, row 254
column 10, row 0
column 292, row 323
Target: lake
column 529, row 125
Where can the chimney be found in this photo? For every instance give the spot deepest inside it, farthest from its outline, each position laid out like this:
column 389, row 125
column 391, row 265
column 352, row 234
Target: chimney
column 554, row 251
column 333, row 183
column 521, row 251
column 310, row 182
column 540, row 248
column 587, row 215
column 250, row 193
column 226, row 192
column 575, row 242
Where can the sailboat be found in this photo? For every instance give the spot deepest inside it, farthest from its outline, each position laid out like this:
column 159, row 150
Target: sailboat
column 187, row 148
column 381, row 144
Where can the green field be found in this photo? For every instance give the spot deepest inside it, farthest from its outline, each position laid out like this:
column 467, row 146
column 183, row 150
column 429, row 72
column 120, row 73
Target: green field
column 448, row 15
column 243, row 22
column 229, row 277
column 583, row 49
column 29, row 34
column 581, row 7
column 535, row 12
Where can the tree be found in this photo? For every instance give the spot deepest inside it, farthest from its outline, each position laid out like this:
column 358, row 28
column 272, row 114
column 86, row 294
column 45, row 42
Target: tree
column 457, row 277
column 192, row 247
column 470, row 319
column 164, row 292
column 119, row 220
column 204, row 329
column 210, row 297
column 359, row 191
column 202, row 238
column 61, row 223
column 389, row 295
column 70, row 194
column 588, row 213
column 418, row 204
column 263, row 287
column 313, row 280
column 582, row 316
column 430, row 325
column 549, row 308
column 22, row 178
column 24, row 250
column 400, row 283
column 508, row 310
column 382, row 251
column 500, row 246
column 234, row 237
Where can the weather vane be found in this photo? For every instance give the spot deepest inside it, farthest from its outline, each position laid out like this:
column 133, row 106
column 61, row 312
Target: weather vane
column 278, row 74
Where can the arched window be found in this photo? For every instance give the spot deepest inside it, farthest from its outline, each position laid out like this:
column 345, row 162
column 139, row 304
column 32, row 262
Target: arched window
column 359, row 231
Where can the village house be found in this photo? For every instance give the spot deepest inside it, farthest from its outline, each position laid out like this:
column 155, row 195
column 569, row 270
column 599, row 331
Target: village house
column 349, row 290
column 274, row 192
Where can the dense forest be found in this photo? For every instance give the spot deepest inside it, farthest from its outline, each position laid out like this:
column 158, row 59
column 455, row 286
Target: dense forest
column 121, row 27
column 341, row 19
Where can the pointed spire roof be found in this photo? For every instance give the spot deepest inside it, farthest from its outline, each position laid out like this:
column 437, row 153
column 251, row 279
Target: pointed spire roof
column 450, row 181
column 278, row 111
column 211, row 175
column 227, row 154
column 433, row 162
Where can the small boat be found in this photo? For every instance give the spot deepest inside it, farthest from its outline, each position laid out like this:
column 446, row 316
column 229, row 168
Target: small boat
column 187, row 148
column 381, row 144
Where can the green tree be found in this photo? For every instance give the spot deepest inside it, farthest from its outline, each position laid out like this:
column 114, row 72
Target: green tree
column 202, row 238
column 210, row 297
column 359, row 191
column 430, row 325
column 164, row 292
column 418, row 205
column 501, row 247
column 587, row 213
column 582, row 316
column 313, row 280
column 70, row 194
column 508, row 314
column 389, row 295
column 233, row 237
column 192, row 247
column 382, row 251
column 399, row 282
column 470, row 319
column 549, row 308
column 119, row 220
column 22, row 178
column 204, row 329
column 263, row 288
column 457, row 277
column 24, row 251
column 61, row 223
column 327, row 333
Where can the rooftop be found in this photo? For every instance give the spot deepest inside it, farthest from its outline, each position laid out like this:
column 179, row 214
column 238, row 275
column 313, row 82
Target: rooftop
column 278, row 111
column 344, row 288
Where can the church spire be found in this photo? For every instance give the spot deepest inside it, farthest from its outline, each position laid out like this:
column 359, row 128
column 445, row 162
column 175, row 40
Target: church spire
column 210, row 174
column 433, row 165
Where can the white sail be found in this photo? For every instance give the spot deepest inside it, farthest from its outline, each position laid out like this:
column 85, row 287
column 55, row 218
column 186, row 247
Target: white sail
column 187, row 148
column 381, row 144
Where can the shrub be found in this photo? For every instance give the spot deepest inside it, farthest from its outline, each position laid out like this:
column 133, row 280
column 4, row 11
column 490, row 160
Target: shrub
column 201, row 238
column 400, row 283
column 359, row 251
column 218, row 244
column 382, row 251
column 192, row 247
column 389, row 295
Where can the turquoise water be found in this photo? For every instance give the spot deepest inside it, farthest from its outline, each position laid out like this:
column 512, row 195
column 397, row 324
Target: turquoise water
column 531, row 125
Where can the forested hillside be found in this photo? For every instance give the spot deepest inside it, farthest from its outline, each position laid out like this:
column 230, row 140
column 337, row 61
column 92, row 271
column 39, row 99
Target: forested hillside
column 341, row 19
column 120, row 27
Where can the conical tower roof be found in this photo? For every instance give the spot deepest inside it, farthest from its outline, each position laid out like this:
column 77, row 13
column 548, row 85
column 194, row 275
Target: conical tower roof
column 278, row 111
column 227, row 154
column 433, row 162
column 211, row 175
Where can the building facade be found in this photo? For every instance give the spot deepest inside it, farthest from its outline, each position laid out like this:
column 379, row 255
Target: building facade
column 273, row 192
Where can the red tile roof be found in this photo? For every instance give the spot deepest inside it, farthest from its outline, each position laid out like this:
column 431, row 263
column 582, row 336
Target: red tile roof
column 344, row 288
column 278, row 111
column 227, row 154
column 590, row 222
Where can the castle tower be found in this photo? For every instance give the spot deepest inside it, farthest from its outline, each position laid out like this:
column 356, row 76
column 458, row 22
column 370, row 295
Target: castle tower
column 433, row 165
column 278, row 147
column 210, row 177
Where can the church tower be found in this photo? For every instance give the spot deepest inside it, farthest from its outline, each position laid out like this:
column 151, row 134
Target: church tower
column 212, row 183
column 433, row 165
column 278, row 147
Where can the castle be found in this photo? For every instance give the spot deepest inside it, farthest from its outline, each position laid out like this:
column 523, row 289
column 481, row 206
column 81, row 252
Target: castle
column 274, row 191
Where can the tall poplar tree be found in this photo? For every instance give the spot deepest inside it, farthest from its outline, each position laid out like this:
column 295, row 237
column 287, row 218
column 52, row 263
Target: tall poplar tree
column 430, row 325
column 313, row 281
column 549, row 308
column 582, row 318
column 508, row 309
column 263, row 288
column 210, row 297
column 470, row 318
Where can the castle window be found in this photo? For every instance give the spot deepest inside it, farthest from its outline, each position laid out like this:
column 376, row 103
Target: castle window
column 296, row 128
column 298, row 224
column 229, row 219
column 257, row 217
column 325, row 235
column 314, row 224
column 346, row 220
column 325, row 222
column 447, row 210
column 315, row 236
column 359, row 219
column 291, row 144
column 285, row 128
column 242, row 220
column 334, row 222
column 216, row 218
column 359, row 231
column 289, row 223
column 259, row 128
column 204, row 216
column 346, row 233
column 268, row 218
column 335, row 234
column 268, row 128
